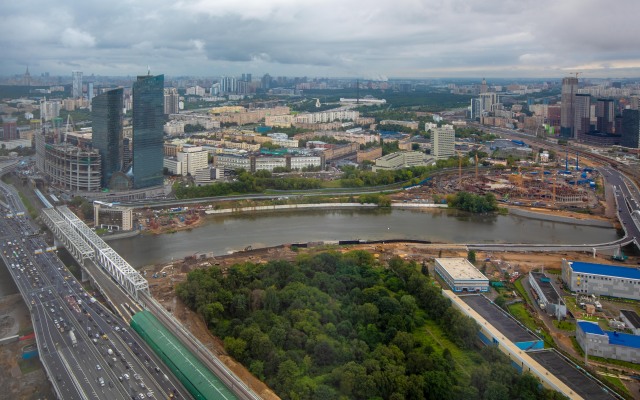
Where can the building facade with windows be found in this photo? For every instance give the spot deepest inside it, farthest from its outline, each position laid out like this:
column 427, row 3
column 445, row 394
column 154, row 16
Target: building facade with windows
column 601, row 279
column 107, row 123
column 148, row 122
column 443, row 142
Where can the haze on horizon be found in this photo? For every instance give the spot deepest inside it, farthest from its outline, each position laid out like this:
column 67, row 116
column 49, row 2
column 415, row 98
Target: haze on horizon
column 369, row 39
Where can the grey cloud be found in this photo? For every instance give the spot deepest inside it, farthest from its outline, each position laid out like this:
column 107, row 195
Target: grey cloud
column 329, row 37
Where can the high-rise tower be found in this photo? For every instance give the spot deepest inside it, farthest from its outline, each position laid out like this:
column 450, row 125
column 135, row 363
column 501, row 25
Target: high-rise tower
column 567, row 108
column 171, row 101
column 107, row 118
column 148, row 121
column 582, row 115
column 76, row 90
column 605, row 116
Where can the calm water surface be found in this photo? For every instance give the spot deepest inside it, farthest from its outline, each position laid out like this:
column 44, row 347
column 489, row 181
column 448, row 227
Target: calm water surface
column 222, row 234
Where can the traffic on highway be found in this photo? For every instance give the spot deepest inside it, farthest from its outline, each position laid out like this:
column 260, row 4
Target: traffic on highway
column 87, row 351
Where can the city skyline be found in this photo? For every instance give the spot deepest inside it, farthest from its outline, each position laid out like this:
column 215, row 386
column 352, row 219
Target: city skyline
column 372, row 40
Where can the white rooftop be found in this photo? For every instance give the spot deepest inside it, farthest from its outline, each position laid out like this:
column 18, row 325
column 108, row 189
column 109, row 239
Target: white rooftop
column 461, row 268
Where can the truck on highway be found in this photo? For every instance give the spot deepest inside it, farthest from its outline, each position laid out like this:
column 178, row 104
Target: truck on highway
column 72, row 336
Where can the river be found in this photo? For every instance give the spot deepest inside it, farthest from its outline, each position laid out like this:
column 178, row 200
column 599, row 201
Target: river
column 221, row 234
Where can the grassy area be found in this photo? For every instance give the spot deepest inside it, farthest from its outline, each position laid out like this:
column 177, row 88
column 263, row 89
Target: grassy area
column 565, row 325
column 520, row 289
column 617, row 384
column 520, row 313
column 30, row 365
column 432, row 334
column 33, row 213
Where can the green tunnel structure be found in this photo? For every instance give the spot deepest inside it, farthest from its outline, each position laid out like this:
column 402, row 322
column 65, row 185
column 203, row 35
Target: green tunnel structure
column 195, row 376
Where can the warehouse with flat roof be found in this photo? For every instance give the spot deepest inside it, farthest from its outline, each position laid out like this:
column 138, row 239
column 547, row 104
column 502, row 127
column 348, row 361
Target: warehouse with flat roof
column 461, row 275
column 601, row 279
column 607, row 344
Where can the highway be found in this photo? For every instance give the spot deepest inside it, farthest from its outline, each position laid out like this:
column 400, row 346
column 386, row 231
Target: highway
column 88, row 352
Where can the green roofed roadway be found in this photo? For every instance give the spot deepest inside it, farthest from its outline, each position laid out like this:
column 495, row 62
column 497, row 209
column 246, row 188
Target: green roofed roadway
column 196, row 378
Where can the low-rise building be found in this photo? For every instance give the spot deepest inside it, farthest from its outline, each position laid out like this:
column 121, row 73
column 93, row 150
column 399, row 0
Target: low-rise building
column 601, row 279
column 607, row 344
column 461, row 275
column 112, row 217
column 547, row 297
column 402, row 159
column 207, row 176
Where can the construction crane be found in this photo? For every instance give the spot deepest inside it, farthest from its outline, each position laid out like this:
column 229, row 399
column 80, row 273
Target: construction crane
column 476, row 166
column 555, row 178
column 69, row 125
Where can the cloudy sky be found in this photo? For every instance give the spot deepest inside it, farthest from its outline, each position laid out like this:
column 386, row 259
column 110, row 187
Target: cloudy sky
column 355, row 38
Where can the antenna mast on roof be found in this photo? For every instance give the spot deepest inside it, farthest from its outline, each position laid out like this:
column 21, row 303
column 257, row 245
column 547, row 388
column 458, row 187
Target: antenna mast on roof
column 148, row 70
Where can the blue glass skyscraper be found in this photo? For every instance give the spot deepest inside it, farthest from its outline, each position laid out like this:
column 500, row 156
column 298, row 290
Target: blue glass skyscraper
column 148, row 122
column 106, row 115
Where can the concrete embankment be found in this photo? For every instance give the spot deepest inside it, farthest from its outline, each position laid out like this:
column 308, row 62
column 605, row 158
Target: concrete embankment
column 122, row 235
column 318, row 206
column 557, row 218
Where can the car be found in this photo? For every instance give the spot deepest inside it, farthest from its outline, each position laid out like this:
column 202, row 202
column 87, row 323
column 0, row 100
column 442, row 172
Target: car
column 98, row 367
column 141, row 395
column 126, row 376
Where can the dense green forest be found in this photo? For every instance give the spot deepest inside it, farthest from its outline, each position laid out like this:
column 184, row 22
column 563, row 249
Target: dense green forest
column 344, row 326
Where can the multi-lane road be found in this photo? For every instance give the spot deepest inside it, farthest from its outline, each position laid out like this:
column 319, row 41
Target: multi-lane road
column 88, row 352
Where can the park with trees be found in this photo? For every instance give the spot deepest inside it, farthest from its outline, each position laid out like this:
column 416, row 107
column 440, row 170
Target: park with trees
column 347, row 326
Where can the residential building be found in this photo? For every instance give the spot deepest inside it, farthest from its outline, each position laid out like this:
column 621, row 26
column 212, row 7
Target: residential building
column 76, row 87
column 9, row 128
column 582, row 115
column 171, row 101
column 148, row 121
column 107, row 122
column 630, row 135
column 605, row 116
column 443, row 142
column 567, row 113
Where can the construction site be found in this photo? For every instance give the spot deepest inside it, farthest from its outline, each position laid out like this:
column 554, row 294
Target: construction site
column 561, row 184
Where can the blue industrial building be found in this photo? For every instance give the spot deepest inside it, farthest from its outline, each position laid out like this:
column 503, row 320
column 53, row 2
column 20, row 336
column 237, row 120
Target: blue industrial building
column 607, row 344
column 601, row 279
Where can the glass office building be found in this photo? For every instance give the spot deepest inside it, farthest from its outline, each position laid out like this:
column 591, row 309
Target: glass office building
column 148, row 121
column 106, row 115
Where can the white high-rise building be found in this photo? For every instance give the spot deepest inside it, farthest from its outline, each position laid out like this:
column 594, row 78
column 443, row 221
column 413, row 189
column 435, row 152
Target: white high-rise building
column 443, row 142
column 76, row 90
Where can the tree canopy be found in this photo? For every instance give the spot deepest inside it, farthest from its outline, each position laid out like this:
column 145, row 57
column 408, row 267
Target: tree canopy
column 338, row 326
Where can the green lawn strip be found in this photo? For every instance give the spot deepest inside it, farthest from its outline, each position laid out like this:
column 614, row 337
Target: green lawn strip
column 520, row 289
column 520, row 313
column 565, row 325
column 617, row 384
